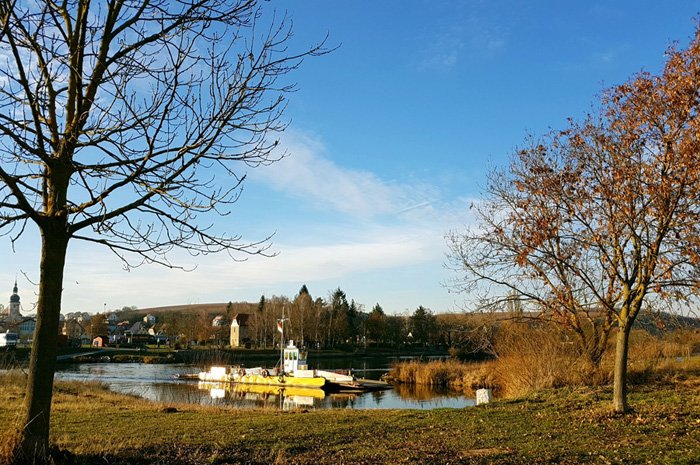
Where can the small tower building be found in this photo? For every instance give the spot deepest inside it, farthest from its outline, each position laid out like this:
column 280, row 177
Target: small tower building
column 12, row 312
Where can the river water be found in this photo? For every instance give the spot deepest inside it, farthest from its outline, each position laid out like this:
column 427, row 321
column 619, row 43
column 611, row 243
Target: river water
column 158, row 383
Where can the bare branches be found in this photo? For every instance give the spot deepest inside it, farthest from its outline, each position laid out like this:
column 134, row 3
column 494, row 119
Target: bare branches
column 146, row 108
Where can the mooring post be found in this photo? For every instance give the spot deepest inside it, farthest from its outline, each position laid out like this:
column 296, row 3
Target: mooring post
column 483, row 396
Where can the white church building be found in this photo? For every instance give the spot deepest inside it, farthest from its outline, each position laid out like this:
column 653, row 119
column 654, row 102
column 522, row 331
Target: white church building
column 11, row 318
column 11, row 314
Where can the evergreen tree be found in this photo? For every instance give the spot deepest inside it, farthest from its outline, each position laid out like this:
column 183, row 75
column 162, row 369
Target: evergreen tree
column 423, row 325
column 376, row 324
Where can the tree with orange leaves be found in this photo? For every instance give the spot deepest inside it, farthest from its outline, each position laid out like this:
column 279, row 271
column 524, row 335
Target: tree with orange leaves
column 590, row 224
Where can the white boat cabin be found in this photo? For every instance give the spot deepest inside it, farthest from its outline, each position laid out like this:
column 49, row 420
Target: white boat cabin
column 294, row 362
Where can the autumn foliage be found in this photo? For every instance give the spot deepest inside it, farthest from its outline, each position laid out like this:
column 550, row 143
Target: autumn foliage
column 590, row 224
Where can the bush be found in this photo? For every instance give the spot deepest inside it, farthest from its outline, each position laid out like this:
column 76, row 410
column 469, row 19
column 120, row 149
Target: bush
column 539, row 357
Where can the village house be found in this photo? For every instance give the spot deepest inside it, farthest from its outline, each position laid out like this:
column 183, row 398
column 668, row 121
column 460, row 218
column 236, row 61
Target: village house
column 219, row 320
column 118, row 332
column 100, row 341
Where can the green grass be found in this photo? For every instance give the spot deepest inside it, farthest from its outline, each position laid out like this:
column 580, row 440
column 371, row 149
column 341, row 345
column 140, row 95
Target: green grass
column 90, row 424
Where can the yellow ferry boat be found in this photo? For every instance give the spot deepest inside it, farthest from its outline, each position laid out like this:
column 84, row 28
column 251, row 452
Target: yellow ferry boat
column 293, row 373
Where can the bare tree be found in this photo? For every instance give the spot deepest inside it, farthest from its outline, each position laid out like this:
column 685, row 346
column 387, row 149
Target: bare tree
column 303, row 310
column 590, row 224
column 124, row 123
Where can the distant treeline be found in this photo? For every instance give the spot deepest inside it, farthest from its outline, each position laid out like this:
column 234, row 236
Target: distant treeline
column 335, row 322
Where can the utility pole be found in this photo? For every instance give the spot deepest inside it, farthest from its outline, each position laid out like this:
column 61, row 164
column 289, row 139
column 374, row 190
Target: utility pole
column 280, row 327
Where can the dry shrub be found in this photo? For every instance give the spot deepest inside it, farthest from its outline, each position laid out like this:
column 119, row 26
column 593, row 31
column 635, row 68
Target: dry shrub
column 438, row 372
column 534, row 358
column 666, row 359
column 478, row 376
column 683, row 342
column 677, row 371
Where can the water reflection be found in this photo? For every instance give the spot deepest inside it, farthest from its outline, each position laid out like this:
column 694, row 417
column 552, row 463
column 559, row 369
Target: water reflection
column 422, row 392
column 157, row 383
column 251, row 395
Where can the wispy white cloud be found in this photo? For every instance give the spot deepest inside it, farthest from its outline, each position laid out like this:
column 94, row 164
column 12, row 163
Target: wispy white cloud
column 320, row 262
column 610, row 55
column 308, row 174
column 467, row 33
column 421, row 205
column 443, row 50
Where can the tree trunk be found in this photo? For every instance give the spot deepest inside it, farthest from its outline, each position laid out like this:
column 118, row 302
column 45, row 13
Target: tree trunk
column 596, row 345
column 35, row 430
column 620, row 379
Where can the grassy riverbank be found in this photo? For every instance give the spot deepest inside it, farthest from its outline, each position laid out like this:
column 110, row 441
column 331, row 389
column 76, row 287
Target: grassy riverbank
column 90, row 424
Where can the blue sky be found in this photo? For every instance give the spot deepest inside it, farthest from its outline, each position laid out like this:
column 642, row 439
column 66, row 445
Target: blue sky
column 390, row 138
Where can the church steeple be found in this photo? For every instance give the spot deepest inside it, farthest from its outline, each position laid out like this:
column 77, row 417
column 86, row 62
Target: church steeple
column 14, row 298
column 13, row 312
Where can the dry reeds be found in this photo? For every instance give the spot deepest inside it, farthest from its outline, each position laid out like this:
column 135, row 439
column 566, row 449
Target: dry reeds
column 443, row 373
column 536, row 357
column 527, row 359
column 433, row 373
